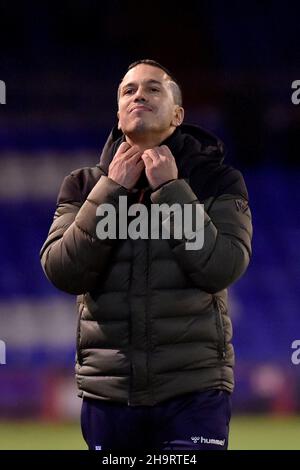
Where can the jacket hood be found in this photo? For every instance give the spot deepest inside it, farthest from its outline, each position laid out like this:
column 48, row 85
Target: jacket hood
column 210, row 143
column 188, row 142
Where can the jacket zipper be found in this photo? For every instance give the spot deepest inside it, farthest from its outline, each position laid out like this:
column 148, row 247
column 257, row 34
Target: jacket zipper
column 148, row 329
column 220, row 329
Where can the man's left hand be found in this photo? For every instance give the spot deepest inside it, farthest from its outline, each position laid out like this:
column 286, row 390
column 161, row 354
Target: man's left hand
column 160, row 165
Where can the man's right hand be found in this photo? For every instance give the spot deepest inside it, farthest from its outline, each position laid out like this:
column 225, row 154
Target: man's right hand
column 126, row 166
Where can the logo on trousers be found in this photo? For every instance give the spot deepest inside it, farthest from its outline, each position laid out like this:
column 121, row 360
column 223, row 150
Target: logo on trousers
column 205, row 440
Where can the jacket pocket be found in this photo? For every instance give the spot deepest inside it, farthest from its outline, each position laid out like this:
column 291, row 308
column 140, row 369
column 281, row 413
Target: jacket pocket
column 220, row 330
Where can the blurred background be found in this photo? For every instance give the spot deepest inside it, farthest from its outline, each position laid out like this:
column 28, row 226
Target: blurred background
column 62, row 63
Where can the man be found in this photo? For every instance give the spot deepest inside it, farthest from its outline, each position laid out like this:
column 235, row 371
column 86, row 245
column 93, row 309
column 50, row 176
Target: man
column 154, row 358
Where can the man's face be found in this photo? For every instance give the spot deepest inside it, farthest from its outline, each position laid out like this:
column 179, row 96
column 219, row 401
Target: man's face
column 146, row 103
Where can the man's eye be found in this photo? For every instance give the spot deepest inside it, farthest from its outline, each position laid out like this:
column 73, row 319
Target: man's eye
column 154, row 89
column 126, row 92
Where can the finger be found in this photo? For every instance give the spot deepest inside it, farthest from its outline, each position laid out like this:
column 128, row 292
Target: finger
column 147, row 159
column 126, row 157
column 164, row 150
column 151, row 154
column 140, row 165
column 126, row 150
column 123, row 147
column 154, row 152
column 135, row 158
column 134, row 150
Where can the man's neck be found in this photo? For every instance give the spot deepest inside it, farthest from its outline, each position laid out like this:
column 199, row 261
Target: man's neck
column 148, row 141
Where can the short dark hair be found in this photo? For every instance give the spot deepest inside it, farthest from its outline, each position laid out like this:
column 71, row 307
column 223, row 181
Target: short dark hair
column 176, row 88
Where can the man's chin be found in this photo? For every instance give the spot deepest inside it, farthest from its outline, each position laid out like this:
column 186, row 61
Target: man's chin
column 138, row 128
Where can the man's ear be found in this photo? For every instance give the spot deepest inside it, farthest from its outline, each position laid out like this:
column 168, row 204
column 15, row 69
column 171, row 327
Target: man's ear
column 178, row 116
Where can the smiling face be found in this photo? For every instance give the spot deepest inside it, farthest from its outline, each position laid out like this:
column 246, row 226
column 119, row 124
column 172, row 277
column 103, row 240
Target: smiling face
column 146, row 104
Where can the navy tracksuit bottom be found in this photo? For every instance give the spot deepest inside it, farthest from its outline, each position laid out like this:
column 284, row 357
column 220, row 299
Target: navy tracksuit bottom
column 193, row 421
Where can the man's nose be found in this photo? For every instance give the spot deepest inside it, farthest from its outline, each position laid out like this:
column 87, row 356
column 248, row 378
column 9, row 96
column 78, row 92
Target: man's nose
column 140, row 95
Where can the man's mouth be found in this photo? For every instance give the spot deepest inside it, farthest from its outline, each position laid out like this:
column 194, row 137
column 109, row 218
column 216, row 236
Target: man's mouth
column 140, row 108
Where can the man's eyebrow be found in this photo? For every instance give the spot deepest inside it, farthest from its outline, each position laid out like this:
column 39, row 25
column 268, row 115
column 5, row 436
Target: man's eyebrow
column 152, row 81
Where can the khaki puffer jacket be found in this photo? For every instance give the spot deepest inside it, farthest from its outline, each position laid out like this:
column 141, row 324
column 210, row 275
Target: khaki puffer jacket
column 153, row 316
